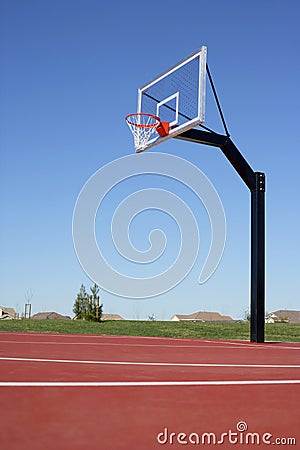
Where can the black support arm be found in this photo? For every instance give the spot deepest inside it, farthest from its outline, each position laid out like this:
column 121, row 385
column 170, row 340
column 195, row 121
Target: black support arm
column 229, row 150
column 256, row 183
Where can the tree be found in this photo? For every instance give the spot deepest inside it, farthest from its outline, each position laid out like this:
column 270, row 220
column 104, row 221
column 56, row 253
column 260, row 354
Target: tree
column 79, row 305
column 151, row 317
column 87, row 307
column 247, row 315
column 95, row 309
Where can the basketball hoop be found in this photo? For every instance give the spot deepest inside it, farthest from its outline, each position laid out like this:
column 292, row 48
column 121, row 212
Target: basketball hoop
column 143, row 126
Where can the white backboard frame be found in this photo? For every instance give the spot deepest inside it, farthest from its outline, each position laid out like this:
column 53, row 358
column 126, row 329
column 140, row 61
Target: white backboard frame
column 201, row 56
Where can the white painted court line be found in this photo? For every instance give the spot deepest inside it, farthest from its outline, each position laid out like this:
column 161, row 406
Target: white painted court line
column 144, row 363
column 113, row 344
column 141, row 383
column 230, row 345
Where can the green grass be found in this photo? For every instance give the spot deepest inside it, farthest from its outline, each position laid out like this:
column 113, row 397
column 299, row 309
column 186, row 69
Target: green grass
column 233, row 330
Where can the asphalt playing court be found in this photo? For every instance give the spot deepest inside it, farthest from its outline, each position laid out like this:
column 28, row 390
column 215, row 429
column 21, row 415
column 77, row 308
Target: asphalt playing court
column 109, row 392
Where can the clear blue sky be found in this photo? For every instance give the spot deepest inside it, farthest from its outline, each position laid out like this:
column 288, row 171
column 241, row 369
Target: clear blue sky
column 69, row 74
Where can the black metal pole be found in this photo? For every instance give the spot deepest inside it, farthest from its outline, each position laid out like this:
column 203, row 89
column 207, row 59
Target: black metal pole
column 256, row 184
column 257, row 321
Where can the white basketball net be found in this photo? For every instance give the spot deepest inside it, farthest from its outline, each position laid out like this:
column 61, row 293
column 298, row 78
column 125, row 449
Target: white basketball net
column 142, row 127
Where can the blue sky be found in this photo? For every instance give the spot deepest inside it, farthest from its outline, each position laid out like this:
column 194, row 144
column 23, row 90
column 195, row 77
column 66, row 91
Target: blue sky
column 70, row 71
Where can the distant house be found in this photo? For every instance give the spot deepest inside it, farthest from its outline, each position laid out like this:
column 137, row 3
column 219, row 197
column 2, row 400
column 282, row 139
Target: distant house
column 271, row 318
column 8, row 313
column 201, row 316
column 49, row 315
column 283, row 315
column 111, row 317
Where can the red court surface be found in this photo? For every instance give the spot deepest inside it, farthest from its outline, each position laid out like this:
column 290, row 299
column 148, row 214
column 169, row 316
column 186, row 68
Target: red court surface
column 63, row 392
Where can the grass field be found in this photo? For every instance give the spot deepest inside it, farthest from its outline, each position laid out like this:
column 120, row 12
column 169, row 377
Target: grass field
column 232, row 330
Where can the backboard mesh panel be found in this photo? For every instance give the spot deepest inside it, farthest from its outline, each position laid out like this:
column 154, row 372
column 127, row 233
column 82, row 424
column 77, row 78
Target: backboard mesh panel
column 184, row 82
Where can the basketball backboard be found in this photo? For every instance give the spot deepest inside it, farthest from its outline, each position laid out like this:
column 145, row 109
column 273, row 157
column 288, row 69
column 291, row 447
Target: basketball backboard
column 177, row 97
